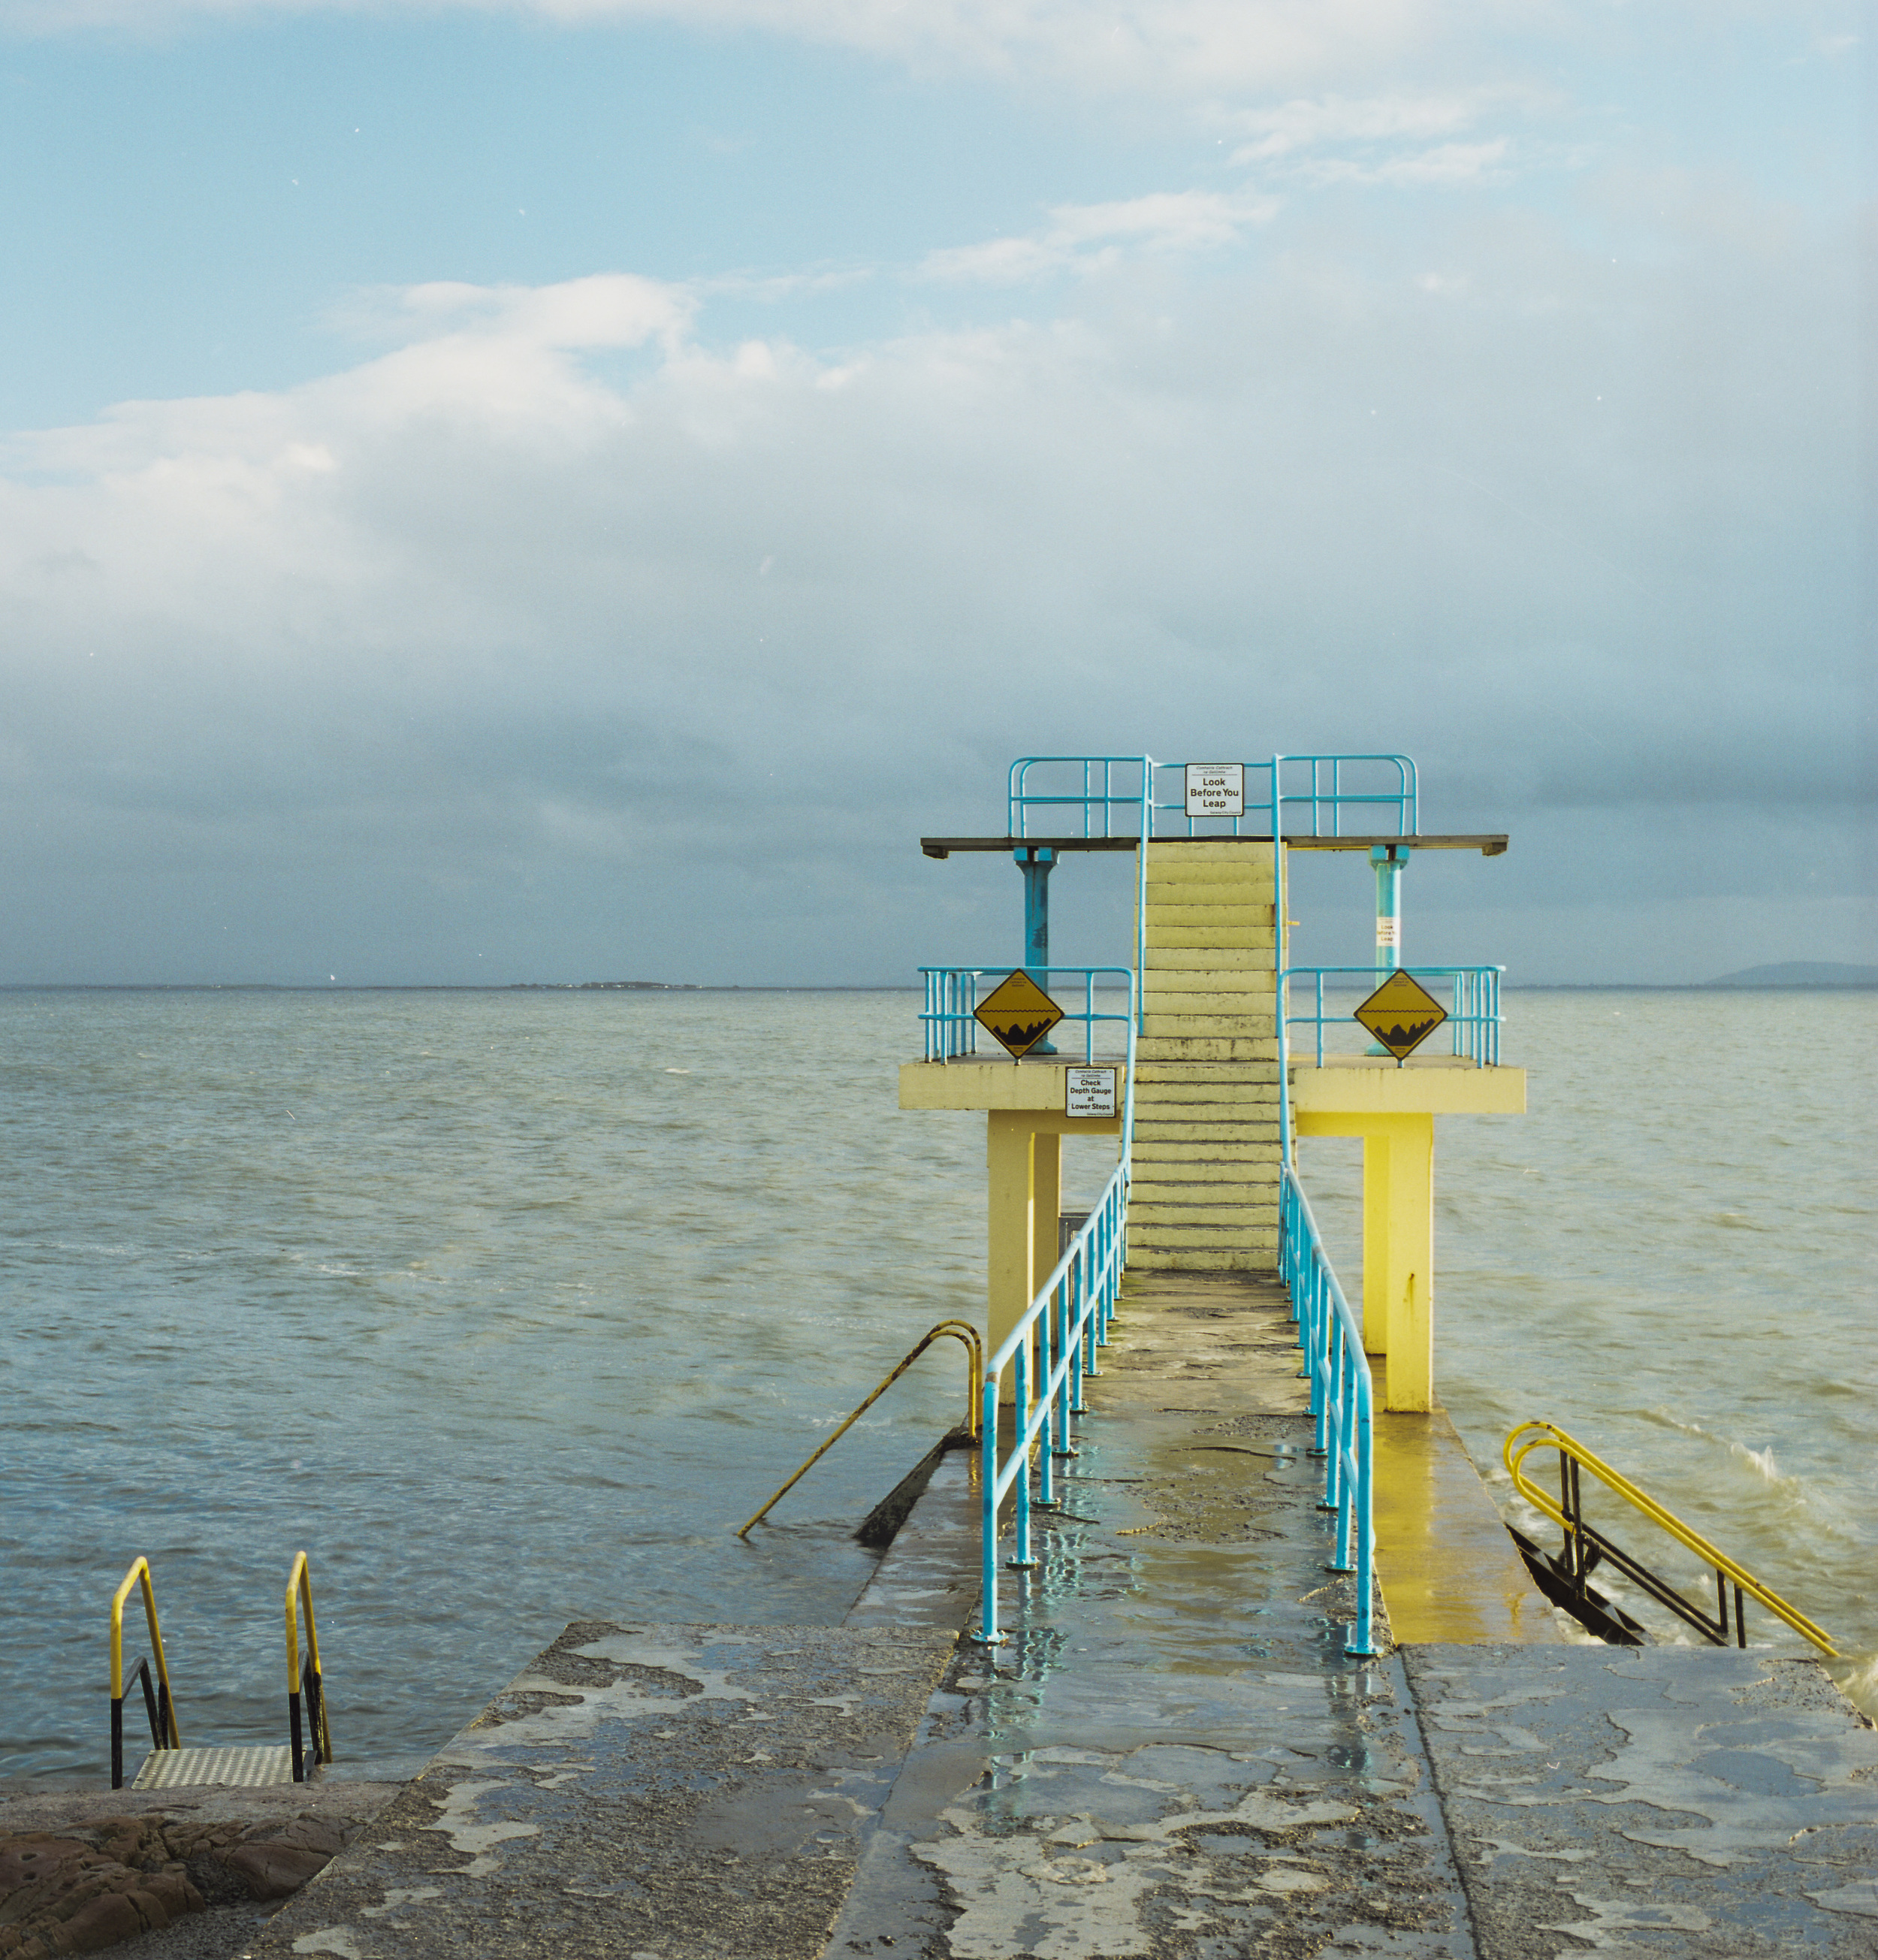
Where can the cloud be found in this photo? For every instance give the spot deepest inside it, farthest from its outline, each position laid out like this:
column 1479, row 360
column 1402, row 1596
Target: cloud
column 1092, row 237
column 1186, row 48
column 1307, row 124
column 554, row 614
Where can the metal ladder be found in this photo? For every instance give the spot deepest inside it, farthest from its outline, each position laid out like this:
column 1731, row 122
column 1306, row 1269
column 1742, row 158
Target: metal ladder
column 1563, row 1576
column 169, row 1764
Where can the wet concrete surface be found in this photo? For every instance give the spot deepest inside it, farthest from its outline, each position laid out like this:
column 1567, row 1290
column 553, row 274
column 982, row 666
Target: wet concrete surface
column 928, row 1576
column 693, row 1792
column 1172, row 1756
column 1676, row 1802
column 1448, row 1569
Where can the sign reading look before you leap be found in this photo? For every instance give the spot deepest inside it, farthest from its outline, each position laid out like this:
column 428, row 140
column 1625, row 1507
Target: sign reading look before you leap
column 1216, row 789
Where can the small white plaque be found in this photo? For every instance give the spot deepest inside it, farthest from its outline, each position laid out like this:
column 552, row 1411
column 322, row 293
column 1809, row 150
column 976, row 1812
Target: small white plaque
column 1089, row 1092
column 1387, row 931
column 1216, row 789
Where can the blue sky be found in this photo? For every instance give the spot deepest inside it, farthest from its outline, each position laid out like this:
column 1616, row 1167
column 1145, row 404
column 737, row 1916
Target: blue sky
column 536, row 492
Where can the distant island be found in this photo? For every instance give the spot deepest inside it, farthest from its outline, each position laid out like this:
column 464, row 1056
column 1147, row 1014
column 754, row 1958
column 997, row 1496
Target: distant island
column 604, row 986
column 1801, row 973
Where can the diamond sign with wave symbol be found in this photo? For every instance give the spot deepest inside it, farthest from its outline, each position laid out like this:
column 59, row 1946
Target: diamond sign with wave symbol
column 1402, row 1014
column 1018, row 1013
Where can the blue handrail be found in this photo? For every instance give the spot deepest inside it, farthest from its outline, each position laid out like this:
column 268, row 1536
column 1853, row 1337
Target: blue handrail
column 1097, row 797
column 1343, row 1395
column 1114, row 796
column 1342, row 1392
column 952, row 995
column 1474, row 1017
column 1055, row 1344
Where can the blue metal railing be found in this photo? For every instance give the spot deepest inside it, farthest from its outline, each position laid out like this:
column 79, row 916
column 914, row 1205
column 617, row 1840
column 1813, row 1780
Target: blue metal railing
column 1473, row 1018
column 952, row 997
column 1050, row 1352
column 1343, row 1395
column 1098, row 801
column 1115, row 796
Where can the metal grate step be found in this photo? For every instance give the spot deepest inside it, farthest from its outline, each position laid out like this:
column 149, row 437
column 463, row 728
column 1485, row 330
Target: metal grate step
column 238, row 1769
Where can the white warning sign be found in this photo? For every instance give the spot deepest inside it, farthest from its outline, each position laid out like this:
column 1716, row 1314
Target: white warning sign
column 1089, row 1092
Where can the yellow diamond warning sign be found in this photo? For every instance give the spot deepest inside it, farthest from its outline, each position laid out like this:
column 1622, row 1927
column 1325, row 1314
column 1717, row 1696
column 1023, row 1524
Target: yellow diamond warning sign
column 1019, row 1012
column 1402, row 1014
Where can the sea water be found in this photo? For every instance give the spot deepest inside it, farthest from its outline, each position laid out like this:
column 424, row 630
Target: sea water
column 509, row 1307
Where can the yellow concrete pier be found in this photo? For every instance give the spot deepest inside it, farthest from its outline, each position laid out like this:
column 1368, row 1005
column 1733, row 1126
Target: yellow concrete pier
column 1392, row 1107
column 1025, row 1125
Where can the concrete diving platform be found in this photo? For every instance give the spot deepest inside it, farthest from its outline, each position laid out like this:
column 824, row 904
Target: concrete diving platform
column 1173, row 1757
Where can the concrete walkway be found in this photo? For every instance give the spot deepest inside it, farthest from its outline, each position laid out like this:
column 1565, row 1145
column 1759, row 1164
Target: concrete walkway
column 1172, row 1758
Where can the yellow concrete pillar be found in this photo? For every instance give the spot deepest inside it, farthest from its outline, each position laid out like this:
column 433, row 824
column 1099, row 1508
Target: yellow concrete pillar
column 1011, row 1221
column 1375, row 1154
column 1397, row 1243
column 1046, row 1203
column 1400, row 1213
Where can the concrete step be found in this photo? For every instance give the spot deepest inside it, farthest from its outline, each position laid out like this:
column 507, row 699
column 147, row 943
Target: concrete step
column 1205, row 1129
column 1206, row 884
column 1183, row 1045
column 1159, row 1073
column 1146, row 1236
column 1163, row 1098
column 1242, row 982
column 1168, row 917
column 1211, row 850
column 1224, row 959
column 1262, row 1110
column 1147, row 1215
column 1210, row 1017
column 1179, row 1157
column 1159, row 1183
column 1158, row 1173
column 1158, row 1258
column 1174, row 938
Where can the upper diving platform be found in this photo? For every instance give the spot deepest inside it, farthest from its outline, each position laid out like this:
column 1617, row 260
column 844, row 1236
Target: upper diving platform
column 1489, row 844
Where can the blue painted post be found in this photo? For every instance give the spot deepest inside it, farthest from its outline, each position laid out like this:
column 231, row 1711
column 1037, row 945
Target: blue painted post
column 1388, row 859
column 1036, row 866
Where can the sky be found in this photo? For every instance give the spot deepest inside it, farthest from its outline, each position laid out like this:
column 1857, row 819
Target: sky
column 574, row 489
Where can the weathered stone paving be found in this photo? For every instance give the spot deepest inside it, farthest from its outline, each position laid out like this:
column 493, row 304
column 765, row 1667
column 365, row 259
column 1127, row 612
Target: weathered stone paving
column 1172, row 1757
column 694, row 1792
column 1668, row 1801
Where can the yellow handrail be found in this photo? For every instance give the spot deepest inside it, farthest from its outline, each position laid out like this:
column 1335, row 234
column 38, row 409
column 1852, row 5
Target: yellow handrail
column 300, row 1579
column 161, row 1706
column 1546, row 1435
column 955, row 1330
column 140, row 1570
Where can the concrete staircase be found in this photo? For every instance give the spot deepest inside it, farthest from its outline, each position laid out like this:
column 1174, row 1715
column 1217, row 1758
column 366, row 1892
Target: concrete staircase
column 1205, row 1161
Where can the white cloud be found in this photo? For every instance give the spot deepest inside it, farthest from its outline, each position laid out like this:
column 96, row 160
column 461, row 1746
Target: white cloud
column 1089, row 237
column 1307, row 124
column 493, row 606
column 1444, row 164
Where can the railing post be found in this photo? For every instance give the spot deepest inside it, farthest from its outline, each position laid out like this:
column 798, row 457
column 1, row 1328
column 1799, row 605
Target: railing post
column 1020, row 1481
column 987, row 1491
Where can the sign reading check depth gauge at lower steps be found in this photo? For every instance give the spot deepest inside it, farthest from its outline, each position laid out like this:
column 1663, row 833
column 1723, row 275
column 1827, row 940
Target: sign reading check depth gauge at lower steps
column 1019, row 1012
column 1402, row 1014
